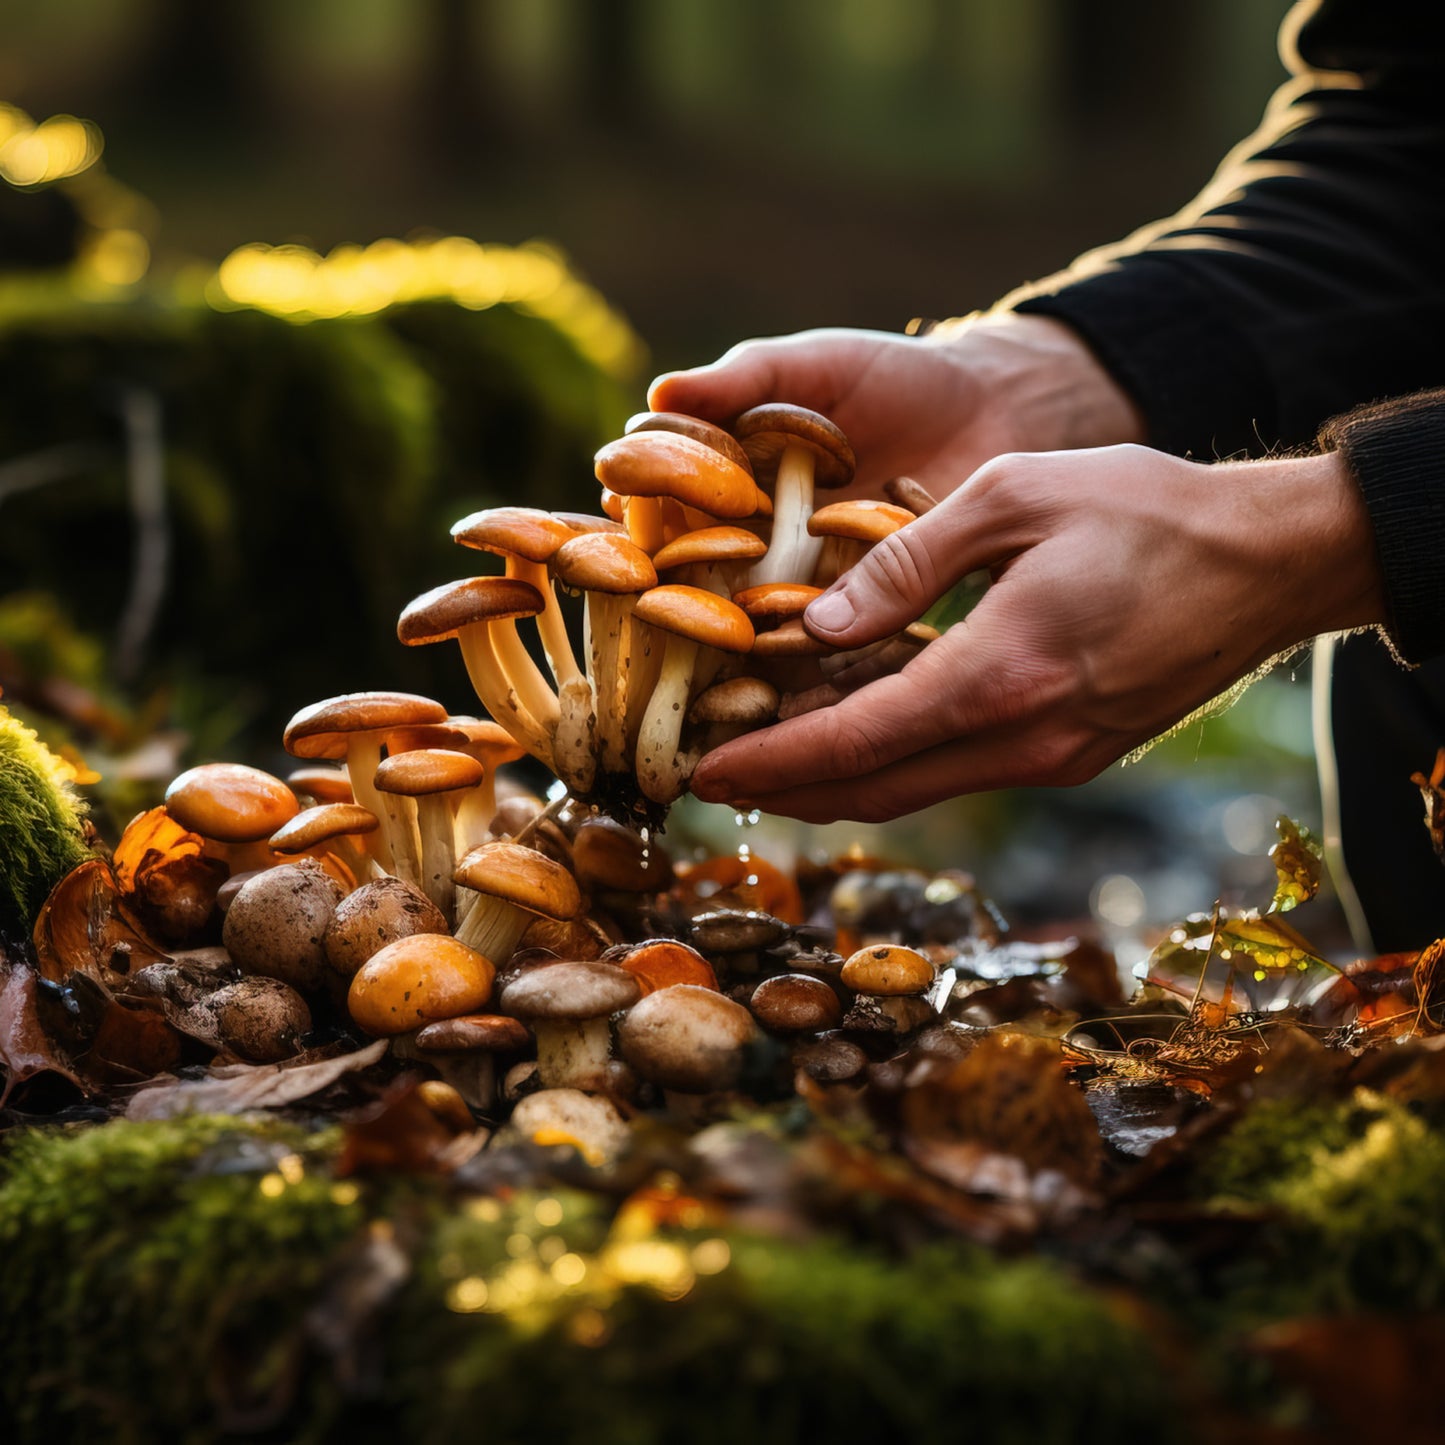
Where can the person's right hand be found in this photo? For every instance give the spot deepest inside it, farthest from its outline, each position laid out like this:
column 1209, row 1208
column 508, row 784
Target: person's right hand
column 932, row 407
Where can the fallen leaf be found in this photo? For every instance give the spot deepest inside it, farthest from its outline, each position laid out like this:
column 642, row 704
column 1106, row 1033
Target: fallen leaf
column 84, row 927
column 236, row 1088
column 25, row 1048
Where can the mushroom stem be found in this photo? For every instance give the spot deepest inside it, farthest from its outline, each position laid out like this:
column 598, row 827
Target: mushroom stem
column 403, row 841
column 573, row 1053
column 493, row 928
column 643, row 518
column 532, row 689
column 642, row 665
column 474, row 815
column 792, row 554
column 657, row 762
column 363, row 756
column 610, row 633
column 551, row 625
column 435, row 821
column 497, row 694
column 574, row 752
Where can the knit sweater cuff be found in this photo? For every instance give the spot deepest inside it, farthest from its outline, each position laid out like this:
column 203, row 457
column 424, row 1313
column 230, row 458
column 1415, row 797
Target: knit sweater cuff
column 1163, row 337
column 1396, row 450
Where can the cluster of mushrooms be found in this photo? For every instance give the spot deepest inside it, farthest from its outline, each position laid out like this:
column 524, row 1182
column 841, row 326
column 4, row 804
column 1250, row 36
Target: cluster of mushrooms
column 551, row 964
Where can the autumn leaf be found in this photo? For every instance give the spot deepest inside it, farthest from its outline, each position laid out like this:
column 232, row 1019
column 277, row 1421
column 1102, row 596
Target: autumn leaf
column 1434, row 795
column 1298, row 860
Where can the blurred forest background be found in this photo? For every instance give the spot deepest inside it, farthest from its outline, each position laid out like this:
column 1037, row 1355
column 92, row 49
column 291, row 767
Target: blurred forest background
column 298, row 285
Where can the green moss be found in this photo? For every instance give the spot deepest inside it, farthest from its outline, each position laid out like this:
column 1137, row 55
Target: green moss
column 165, row 1281
column 1360, row 1189
column 41, row 836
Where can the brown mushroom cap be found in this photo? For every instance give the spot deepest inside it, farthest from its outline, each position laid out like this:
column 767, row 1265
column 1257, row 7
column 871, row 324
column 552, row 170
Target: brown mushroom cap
column 442, row 612
column 696, row 613
column 795, row 1003
column 767, row 431
column 710, row 546
column 862, row 520
column 522, row 877
column 322, row 823
column 745, row 700
column 324, row 784
column 687, row 1038
column 262, row 1019
column 604, row 562
column 230, row 802
column 421, row 771
column 487, row 741
column 663, row 464
column 376, row 914
column 789, row 639
column 416, row 980
column 320, row 730
column 665, row 963
column 276, row 923
column 607, row 854
column 572, row 991
column 888, row 970
column 474, row 1033
column 586, row 522
column 525, row 532
column 776, row 601
column 690, row 426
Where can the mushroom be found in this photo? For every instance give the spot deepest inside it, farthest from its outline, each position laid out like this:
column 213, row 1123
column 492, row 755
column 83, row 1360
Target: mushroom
column 416, row 980
column 610, row 857
column 276, row 923
column 800, row 450
column 693, row 620
column 480, row 613
column 514, row 883
column 374, row 915
column 687, row 1039
column 649, row 465
column 849, row 529
column 261, row 1019
column 320, row 784
column 527, row 539
column 711, row 557
column 432, row 781
column 569, row 1006
column 905, row 492
column 234, row 808
column 334, row 834
column 352, row 726
column 663, row 963
column 464, row 1051
column 699, row 430
column 732, row 707
column 589, row 1123
column 889, row 981
column 612, row 572
column 795, row 1003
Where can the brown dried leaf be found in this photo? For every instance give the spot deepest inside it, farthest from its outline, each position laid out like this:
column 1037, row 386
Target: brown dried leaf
column 236, row 1088
column 84, row 926
column 398, row 1132
column 25, row 1048
column 170, row 882
column 1433, row 793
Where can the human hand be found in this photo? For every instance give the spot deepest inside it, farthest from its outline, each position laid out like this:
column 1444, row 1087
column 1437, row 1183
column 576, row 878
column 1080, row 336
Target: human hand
column 932, row 407
column 1130, row 588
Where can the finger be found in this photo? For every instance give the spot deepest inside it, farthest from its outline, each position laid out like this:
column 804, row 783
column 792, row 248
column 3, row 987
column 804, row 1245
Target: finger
column 807, row 369
column 899, row 578
column 997, row 759
column 969, row 681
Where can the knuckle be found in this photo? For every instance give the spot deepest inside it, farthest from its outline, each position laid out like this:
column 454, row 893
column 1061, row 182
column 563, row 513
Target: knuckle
column 904, row 565
column 855, row 750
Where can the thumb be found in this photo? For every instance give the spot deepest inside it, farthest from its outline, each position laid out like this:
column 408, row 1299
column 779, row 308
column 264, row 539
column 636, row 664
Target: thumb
column 897, row 580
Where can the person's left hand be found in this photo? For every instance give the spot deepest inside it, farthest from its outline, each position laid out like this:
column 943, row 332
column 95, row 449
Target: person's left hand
column 1130, row 588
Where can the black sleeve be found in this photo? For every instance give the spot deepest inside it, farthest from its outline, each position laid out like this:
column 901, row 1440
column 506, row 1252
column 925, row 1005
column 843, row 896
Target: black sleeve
column 1308, row 277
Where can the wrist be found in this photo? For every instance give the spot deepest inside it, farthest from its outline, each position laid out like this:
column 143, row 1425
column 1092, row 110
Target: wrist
column 1045, row 389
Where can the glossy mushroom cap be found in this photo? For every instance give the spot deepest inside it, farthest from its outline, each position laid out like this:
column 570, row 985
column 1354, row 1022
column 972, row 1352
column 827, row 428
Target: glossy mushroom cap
column 663, row 464
column 776, row 601
column 321, row 782
column 230, row 802
column 567, row 991
column 863, row 520
column 416, row 980
column 474, row 1033
column 487, row 741
column 690, row 426
column 795, row 1003
column 422, row 771
column 789, row 639
column 889, row 971
column 323, row 823
column 609, row 855
column 442, row 612
column 321, row 730
column 687, row 1038
column 522, row 877
column 525, row 532
column 604, row 562
column 710, row 547
column 767, row 431
column 698, row 614
column 743, row 701
column 664, row 963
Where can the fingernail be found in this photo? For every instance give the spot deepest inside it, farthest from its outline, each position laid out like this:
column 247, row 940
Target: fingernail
column 832, row 612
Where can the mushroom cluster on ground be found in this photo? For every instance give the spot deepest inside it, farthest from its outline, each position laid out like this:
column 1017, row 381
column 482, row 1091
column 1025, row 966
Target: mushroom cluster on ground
column 403, row 883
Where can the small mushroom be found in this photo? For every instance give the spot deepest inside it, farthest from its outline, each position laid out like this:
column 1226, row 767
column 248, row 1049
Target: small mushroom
column 417, row 980
column 889, row 981
column 663, row 963
column 795, row 1003
column 261, row 1019
column 334, row 834
column 235, row 808
column 513, row 884
column 276, row 923
column 687, row 1039
column 588, row 1123
column 569, row 1006
column 377, row 913
column 464, row 1051
column 608, row 857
